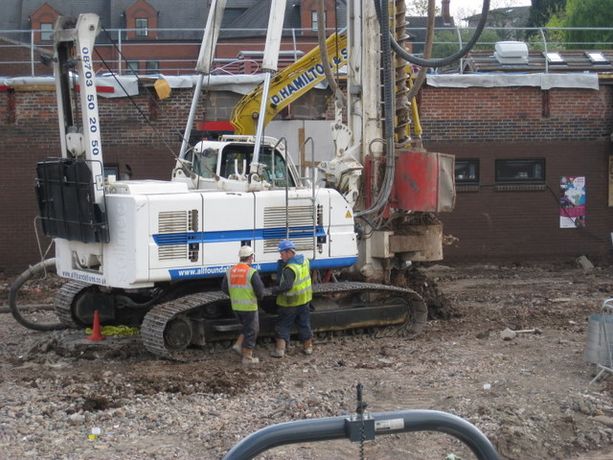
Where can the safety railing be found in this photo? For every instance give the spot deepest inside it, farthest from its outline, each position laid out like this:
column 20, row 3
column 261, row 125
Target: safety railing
column 358, row 429
column 173, row 51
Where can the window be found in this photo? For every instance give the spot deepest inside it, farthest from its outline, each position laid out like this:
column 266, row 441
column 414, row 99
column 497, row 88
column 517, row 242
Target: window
column 142, row 25
column 596, row 57
column 237, row 158
column 152, row 66
column 314, row 22
column 133, row 67
column 111, row 170
column 205, row 163
column 554, row 58
column 46, row 32
column 520, row 171
column 467, row 172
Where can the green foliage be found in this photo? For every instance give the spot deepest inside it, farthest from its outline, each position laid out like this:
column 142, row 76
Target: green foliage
column 556, row 39
column 589, row 13
column 446, row 41
column 420, row 8
column 542, row 11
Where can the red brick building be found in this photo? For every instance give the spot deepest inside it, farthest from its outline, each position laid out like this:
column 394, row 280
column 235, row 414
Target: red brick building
column 549, row 133
column 156, row 36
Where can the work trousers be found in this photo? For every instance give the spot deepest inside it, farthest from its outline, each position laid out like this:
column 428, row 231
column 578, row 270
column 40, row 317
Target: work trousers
column 250, row 323
column 288, row 316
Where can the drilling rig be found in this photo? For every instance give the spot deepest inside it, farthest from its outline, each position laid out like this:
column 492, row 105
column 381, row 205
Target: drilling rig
column 151, row 253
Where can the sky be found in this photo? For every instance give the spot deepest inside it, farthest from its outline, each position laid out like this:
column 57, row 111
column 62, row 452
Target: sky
column 464, row 8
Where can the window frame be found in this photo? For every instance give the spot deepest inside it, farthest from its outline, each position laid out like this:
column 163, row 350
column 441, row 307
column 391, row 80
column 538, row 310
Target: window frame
column 314, row 22
column 518, row 178
column 133, row 67
column 468, row 181
column 46, row 34
column 225, row 166
column 140, row 31
column 155, row 68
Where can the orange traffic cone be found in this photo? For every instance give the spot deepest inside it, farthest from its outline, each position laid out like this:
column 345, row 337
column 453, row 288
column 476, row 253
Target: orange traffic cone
column 96, row 334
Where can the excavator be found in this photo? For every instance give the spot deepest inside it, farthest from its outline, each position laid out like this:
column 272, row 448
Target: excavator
column 151, row 253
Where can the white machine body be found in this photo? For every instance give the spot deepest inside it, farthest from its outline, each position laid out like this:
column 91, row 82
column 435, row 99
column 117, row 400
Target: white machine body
column 165, row 231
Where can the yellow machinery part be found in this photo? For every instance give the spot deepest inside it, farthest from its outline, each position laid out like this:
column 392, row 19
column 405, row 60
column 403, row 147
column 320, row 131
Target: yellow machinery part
column 289, row 84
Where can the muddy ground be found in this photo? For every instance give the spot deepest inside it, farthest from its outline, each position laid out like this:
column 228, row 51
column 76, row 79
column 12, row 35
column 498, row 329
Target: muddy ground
column 539, row 404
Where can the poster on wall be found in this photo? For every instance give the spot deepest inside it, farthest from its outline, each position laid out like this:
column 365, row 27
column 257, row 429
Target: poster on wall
column 572, row 201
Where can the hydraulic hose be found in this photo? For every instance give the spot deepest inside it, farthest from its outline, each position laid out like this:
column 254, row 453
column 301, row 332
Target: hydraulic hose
column 47, row 265
column 390, row 165
column 440, row 62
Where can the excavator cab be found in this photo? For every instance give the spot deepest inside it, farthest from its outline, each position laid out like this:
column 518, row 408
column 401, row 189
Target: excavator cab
column 213, row 162
column 235, row 156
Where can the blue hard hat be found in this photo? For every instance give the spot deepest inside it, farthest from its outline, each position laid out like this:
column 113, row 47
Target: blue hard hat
column 284, row 245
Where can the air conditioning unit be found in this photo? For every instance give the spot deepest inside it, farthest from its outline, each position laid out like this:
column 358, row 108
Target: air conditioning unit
column 511, row 52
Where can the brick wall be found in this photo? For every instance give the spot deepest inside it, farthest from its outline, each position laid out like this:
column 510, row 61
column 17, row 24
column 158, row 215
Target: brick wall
column 569, row 128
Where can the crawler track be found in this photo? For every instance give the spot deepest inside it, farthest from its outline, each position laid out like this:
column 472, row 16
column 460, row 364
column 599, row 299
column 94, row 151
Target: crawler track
column 64, row 300
column 392, row 305
column 158, row 318
column 205, row 317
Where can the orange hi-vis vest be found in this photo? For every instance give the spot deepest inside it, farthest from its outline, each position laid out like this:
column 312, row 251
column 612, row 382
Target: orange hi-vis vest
column 242, row 295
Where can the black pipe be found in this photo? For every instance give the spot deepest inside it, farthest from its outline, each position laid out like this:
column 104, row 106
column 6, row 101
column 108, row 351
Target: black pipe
column 404, row 54
column 330, row 428
column 47, row 265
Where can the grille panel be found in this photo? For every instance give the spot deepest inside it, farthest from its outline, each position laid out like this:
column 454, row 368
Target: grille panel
column 298, row 216
column 170, row 222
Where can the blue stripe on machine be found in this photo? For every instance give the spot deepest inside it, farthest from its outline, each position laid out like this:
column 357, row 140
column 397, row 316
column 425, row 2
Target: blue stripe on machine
column 217, row 271
column 224, row 236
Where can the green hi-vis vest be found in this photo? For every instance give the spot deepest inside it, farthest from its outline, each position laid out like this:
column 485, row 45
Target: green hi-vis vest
column 242, row 295
column 301, row 292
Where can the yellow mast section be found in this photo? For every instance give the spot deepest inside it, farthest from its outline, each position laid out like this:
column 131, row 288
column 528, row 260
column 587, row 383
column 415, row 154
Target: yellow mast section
column 289, row 84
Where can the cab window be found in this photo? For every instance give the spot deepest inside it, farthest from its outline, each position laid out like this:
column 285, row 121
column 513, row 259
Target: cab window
column 205, row 163
column 241, row 155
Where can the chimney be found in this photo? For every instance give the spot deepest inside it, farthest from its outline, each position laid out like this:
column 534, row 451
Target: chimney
column 446, row 15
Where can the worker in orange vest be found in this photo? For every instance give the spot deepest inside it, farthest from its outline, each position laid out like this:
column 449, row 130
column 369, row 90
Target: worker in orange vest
column 244, row 286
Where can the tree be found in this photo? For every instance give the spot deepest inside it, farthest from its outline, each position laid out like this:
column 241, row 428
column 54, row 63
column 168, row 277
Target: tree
column 588, row 13
column 542, row 11
column 420, row 8
column 446, row 41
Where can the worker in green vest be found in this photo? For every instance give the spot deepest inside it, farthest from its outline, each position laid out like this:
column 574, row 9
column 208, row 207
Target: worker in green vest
column 244, row 286
column 294, row 294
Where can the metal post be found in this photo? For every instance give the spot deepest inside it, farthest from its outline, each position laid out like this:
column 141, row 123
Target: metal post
column 190, row 118
column 286, row 193
column 260, row 127
column 295, row 46
column 545, row 47
column 119, row 51
column 32, row 53
column 313, row 178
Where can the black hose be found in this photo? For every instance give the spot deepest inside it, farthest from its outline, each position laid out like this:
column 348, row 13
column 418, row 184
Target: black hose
column 388, row 106
column 440, row 62
column 41, row 267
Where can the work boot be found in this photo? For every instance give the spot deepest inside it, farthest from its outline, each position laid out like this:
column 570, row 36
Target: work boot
column 279, row 351
column 237, row 347
column 307, row 347
column 248, row 357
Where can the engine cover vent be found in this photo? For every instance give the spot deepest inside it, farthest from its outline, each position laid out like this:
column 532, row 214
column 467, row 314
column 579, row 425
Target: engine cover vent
column 300, row 223
column 173, row 251
column 175, row 222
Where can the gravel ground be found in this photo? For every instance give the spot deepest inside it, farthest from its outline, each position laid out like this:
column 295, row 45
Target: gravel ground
column 56, row 387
